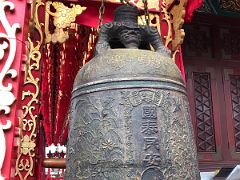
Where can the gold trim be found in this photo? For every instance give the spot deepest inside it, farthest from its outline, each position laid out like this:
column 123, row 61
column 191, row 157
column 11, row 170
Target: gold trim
column 174, row 54
column 167, row 19
column 27, row 143
column 178, row 13
column 175, row 21
column 25, row 159
column 154, row 20
column 62, row 19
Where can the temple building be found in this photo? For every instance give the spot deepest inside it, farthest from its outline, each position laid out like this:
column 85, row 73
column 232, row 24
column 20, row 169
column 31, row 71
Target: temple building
column 43, row 44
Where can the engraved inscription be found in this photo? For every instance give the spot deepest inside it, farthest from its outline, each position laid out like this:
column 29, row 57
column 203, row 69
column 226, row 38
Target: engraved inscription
column 152, row 159
column 168, row 150
column 149, row 127
column 151, row 142
column 149, row 112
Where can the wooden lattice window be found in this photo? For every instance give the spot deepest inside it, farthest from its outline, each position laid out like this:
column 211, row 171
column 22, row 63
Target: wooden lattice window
column 235, row 94
column 204, row 112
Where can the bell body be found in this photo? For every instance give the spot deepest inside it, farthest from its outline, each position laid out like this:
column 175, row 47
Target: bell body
column 130, row 120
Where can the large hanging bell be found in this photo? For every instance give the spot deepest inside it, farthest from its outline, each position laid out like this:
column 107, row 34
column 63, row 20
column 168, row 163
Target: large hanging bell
column 130, row 116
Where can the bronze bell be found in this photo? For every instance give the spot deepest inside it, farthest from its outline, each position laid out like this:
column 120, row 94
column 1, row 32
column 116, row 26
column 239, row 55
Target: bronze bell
column 130, row 116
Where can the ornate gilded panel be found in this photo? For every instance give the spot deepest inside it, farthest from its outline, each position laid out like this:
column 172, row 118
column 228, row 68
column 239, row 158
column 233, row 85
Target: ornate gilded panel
column 235, row 93
column 25, row 162
column 154, row 20
column 178, row 14
column 63, row 16
column 204, row 112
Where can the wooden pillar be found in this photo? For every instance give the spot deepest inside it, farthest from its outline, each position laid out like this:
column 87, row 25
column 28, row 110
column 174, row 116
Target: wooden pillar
column 31, row 145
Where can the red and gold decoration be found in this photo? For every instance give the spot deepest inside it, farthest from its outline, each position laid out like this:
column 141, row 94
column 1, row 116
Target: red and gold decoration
column 63, row 16
column 29, row 121
column 11, row 52
column 66, row 51
column 60, row 73
column 172, row 18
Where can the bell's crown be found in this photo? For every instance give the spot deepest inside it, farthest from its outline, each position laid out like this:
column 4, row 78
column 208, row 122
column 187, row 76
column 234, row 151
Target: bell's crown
column 126, row 13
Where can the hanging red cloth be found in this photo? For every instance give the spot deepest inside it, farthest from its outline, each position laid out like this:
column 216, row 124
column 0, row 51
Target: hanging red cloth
column 164, row 33
column 47, row 96
column 192, row 5
column 61, row 64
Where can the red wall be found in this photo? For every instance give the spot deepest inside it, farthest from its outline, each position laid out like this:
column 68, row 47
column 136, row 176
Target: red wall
column 16, row 15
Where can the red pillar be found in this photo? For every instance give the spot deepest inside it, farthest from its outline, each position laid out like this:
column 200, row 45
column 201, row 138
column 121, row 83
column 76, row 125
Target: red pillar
column 12, row 52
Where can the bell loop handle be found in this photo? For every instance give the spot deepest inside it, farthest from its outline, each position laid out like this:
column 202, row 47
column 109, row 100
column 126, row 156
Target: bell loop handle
column 126, row 29
column 129, row 38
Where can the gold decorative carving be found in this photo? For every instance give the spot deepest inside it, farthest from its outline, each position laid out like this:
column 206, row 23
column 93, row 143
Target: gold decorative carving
column 26, row 154
column 168, row 2
column 154, row 20
column 230, row 5
column 167, row 19
column 175, row 21
column 24, row 167
column 174, row 54
column 27, row 145
column 7, row 98
column 178, row 13
column 62, row 19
